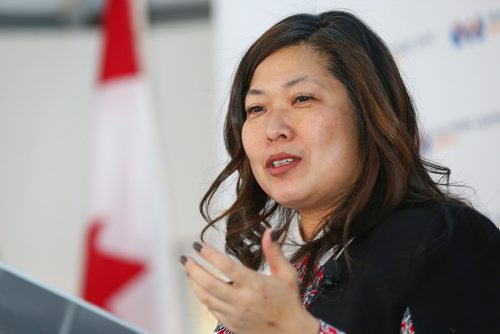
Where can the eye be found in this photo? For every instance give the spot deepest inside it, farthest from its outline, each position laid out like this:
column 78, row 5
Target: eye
column 303, row 98
column 255, row 109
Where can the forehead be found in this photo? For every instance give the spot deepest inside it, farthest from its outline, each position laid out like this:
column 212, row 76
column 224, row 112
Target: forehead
column 289, row 67
column 288, row 64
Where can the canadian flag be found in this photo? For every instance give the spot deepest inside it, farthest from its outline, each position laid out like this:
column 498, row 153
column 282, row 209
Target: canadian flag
column 127, row 255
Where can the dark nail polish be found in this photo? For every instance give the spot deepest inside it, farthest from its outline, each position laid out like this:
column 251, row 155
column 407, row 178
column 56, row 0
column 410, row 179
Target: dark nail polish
column 183, row 259
column 230, row 282
column 275, row 236
column 197, row 246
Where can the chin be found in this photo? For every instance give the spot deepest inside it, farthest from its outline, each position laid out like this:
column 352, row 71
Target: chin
column 287, row 195
column 289, row 201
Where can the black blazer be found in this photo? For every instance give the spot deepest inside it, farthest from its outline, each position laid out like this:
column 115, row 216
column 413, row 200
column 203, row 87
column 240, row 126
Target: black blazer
column 440, row 260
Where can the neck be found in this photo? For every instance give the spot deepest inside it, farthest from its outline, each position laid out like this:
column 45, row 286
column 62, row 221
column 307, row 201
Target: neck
column 309, row 223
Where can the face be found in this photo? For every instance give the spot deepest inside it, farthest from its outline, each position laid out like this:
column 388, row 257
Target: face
column 299, row 135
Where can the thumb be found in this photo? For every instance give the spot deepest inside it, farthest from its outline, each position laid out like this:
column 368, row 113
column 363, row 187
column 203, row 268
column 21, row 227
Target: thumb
column 278, row 264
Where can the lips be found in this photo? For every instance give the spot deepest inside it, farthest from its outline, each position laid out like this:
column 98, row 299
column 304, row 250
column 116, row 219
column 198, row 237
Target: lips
column 281, row 163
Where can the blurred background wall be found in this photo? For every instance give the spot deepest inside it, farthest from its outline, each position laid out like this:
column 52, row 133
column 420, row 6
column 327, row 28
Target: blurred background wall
column 49, row 57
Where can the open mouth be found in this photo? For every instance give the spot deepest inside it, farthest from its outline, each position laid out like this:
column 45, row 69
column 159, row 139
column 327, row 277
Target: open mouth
column 281, row 162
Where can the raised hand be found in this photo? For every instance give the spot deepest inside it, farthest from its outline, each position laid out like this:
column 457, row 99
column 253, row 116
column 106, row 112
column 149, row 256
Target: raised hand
column 252, row 302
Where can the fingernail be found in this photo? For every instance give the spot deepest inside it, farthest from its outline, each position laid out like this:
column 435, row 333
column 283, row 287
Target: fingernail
column 230, row 282
column 197, row 246
column 183, row 260
column 275, row 236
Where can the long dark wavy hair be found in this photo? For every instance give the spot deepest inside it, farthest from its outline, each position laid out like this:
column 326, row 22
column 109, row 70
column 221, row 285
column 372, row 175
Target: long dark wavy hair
column 392, row 173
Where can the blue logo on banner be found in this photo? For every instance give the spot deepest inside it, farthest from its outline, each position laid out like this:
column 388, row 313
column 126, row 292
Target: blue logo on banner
column 468, row 31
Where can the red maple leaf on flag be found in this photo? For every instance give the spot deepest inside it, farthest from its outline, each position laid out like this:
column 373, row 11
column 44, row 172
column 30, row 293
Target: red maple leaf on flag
column 111, row 271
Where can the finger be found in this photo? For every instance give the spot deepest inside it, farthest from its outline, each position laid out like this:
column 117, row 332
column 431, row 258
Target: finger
column 208, row 282
column 278, row 264
column 212, row 303
column 237, row 273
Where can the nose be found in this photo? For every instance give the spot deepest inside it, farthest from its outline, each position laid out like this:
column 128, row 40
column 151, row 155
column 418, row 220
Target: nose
column 279, row 125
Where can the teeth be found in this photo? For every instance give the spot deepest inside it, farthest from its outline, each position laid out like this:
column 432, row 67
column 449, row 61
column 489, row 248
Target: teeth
column 282, row 162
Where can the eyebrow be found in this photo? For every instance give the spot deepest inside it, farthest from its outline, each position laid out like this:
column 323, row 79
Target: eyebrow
column 288, row 84
column 293, row 82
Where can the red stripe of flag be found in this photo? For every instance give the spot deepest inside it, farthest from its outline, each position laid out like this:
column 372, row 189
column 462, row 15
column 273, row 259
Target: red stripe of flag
column 119, row 52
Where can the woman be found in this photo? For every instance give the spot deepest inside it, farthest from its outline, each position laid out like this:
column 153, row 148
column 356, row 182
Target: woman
column 323, row 137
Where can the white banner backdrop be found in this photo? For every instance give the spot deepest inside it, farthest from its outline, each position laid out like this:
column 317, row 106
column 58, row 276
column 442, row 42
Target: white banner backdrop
column 448, row 52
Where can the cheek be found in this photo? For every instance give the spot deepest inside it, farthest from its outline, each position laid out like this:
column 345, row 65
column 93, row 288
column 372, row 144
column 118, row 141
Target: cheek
column 347, row 156
column 253, row 150
column 337, row 142
column 245, row 139
column 248, row 139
